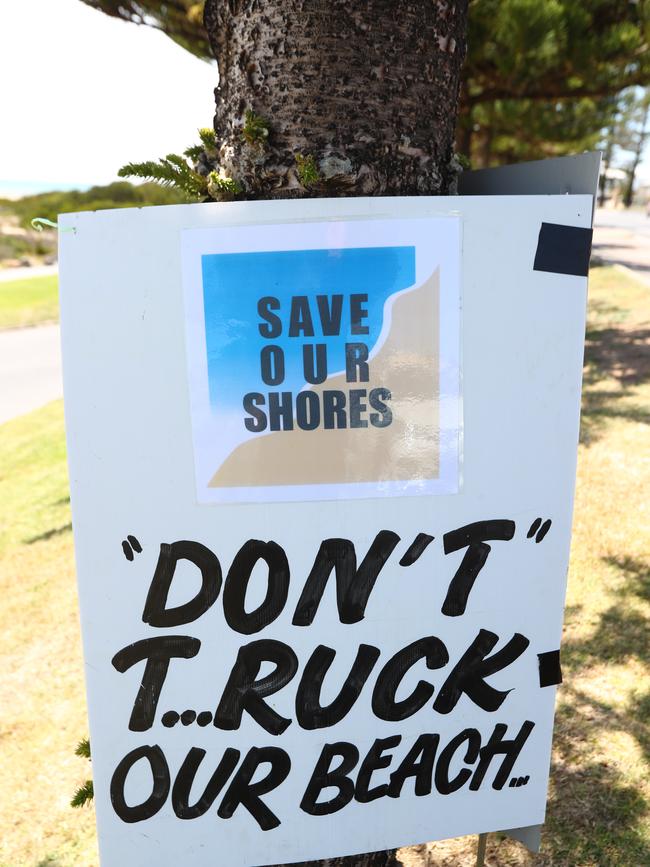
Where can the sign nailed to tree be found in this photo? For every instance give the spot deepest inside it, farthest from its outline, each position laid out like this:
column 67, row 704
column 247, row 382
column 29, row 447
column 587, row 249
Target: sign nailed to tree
column 290, row 656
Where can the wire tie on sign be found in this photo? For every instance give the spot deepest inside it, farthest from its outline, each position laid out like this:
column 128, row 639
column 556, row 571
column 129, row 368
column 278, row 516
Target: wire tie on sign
column 39, row 222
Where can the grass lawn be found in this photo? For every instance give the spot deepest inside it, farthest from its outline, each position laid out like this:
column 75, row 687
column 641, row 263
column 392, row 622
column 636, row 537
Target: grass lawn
column 28, row 301
column 598, row 812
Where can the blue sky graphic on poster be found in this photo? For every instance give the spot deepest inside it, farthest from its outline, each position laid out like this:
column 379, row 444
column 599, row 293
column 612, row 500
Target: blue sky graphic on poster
column 233, row 283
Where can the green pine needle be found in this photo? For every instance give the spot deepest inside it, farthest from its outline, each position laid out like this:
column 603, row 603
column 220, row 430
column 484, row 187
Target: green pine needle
column 208, row 139
column 223, row 189
column 172, row 171
column 83, row 748
column 308, row 173
column 83, row 795
column 194, row 152
column 255, row 130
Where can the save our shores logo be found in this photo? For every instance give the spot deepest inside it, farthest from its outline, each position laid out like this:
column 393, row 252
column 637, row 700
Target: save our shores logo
column 322, row 373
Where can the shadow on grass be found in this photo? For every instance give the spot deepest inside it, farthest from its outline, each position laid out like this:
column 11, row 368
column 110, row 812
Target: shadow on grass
column 387, row 858
column 636, row 574
column 596, row 810
column 49, row 534
column 594, row 816
column 619, row 354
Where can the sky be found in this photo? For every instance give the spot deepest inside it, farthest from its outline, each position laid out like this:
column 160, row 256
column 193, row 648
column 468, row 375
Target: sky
column 81, row 94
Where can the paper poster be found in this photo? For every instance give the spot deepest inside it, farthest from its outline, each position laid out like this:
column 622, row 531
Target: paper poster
column 323, row 359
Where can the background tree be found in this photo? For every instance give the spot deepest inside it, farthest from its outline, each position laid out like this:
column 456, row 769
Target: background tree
column 623, row 140
column 544, row 68
column 635, row 139
column 181, row 20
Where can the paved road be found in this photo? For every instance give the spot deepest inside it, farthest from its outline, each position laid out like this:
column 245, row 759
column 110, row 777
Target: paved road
column 623, row 237
column 30, row 369
column 30, row 359
column 23, row 273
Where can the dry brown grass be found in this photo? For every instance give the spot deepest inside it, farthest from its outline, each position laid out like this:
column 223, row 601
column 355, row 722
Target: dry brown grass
column 598, row 808
column 599, row 805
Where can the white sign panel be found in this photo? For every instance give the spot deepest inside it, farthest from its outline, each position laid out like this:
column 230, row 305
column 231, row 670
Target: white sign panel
column 305, row 636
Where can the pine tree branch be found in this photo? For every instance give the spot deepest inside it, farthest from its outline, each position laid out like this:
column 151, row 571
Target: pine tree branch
column 84, row 795
column 83, row 748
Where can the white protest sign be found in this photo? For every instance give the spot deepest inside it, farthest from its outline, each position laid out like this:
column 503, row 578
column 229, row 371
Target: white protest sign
column 291, row 655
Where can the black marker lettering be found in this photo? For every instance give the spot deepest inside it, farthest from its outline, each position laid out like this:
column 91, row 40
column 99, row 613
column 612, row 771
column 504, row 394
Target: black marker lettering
column 468, row 675
column 239, row 574
column 244, row 693
column 158, row 652
column 242, row 791
column 185, row 779
column 498, row 746
column 384, row 705
column 353, row 586
column 309, row 712
column 443, row 784
column 375, row 760
column 161, row 782
column 323, row 778
column 417, row 763
column 155, row 611
column 473, row 537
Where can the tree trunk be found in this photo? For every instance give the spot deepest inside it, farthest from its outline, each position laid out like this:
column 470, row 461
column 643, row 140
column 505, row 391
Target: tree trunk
column 607, row 159
column 638, row 152
column 337, row 98
column 332, row 98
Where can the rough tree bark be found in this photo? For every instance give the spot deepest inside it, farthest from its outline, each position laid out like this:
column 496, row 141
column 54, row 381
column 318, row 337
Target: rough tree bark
column 347, row 99
column 360, row 98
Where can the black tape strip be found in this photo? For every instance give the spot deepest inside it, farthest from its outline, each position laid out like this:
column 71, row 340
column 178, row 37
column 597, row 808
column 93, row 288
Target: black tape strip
column 550, row 670
column 563, row 249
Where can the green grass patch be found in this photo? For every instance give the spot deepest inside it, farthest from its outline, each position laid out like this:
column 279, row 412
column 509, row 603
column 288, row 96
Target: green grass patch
column 29, row 301
column 598, row 813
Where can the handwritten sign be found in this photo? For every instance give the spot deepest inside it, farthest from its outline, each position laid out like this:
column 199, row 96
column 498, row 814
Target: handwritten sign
column 322, row 459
